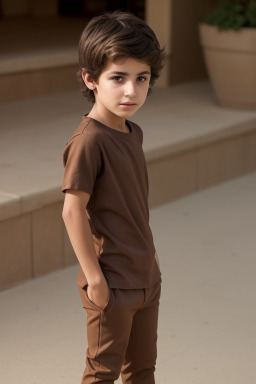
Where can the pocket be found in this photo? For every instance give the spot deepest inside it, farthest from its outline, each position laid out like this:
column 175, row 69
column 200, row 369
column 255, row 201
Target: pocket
column 95, row 305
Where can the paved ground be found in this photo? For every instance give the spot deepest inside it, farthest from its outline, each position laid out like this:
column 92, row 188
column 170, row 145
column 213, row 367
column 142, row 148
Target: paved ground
column 207, row 247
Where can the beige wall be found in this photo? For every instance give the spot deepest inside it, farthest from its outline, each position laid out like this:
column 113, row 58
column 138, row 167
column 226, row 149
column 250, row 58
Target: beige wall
column 158, row 16
column 187, row 62
column 176, row 24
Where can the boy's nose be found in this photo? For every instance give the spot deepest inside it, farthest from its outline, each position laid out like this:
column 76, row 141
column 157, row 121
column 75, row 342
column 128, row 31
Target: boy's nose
column 129, row 89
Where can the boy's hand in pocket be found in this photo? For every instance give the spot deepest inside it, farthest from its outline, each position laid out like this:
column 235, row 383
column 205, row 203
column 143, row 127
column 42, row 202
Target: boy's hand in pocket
column 99, row 294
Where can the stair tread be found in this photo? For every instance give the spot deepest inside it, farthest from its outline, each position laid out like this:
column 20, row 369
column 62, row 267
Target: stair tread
column 35, row 131
column 25, row 43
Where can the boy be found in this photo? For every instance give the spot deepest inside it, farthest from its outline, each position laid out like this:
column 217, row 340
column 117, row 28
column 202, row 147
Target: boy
column 106, row 201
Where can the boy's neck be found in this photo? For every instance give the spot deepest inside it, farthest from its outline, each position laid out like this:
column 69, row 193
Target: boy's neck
column 111, row 120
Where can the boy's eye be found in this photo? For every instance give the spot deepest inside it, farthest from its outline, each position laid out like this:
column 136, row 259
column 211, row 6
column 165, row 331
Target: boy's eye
column 141, row 78
column 117, row 78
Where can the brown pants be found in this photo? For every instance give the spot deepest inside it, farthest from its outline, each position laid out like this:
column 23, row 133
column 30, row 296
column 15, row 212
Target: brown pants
column 122, row 337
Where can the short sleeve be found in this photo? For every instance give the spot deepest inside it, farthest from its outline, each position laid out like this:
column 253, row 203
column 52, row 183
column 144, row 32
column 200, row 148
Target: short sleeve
column 139, row 132
column 82, row 161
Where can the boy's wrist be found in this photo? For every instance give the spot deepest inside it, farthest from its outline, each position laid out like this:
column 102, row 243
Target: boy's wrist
column 96, row 280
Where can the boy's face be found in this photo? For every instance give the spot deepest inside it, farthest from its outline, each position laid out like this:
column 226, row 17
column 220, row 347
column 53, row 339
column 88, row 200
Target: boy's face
column 122, row 88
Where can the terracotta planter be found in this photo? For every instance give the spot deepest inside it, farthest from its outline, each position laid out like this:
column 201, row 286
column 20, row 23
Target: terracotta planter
column 231, row 63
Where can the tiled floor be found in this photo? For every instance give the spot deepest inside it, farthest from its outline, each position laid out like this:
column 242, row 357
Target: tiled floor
column 207, row 246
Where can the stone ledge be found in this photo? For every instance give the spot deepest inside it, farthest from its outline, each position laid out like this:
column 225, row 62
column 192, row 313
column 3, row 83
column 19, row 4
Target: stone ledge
column 37, row 60
column 14, row 205
column 180, row 122
column 201, row 140
column 10, row 206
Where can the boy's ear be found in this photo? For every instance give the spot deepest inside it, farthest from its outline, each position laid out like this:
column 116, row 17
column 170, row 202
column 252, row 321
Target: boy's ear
column 88, row 81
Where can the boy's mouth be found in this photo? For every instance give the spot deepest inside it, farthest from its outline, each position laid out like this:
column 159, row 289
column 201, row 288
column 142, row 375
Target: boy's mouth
column 128, row 104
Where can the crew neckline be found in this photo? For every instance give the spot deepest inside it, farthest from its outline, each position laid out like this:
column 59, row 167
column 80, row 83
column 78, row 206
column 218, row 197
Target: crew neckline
column 112, row 130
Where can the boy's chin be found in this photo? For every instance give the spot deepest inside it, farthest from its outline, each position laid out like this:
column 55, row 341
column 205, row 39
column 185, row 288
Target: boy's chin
column 126, row 114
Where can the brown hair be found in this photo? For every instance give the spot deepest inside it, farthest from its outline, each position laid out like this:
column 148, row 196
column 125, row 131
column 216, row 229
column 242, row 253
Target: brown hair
column 112, row 36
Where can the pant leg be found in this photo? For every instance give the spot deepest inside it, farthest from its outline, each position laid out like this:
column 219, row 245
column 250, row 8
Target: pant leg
column 108, row 333
column 141, row 354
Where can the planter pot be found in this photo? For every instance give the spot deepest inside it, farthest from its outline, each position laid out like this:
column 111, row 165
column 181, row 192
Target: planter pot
column 231, row 63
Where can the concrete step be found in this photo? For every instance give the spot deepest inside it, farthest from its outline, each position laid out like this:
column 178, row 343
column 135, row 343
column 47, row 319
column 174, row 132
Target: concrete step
column 190, row 144
column 206, row 245
column 36, row 60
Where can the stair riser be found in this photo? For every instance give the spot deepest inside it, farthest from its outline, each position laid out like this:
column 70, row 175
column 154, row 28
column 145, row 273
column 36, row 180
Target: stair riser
column 22, row 85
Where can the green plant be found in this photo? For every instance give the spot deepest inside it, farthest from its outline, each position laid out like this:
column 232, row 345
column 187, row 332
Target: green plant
column 233, row 14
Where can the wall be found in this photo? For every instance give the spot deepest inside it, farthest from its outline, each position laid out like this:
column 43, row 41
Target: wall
column 159, row 17
column 187, row 62
column 176, row 24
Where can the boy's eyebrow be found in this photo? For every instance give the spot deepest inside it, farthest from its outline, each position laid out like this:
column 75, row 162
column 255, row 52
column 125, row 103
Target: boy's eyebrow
column 127, row 74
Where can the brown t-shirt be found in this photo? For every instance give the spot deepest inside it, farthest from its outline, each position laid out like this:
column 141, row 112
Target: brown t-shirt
column 110, row 166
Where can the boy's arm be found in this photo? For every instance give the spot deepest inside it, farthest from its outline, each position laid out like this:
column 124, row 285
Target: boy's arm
column 78, row 228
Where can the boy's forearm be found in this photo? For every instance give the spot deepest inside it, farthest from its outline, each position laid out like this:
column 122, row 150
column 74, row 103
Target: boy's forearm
column 80, row 235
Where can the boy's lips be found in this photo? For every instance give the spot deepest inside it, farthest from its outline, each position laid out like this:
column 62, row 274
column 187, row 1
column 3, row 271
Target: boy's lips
column 128, row 105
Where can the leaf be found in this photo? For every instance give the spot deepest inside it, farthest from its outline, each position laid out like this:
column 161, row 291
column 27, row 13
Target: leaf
column 233, row 14
column 251, row 14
